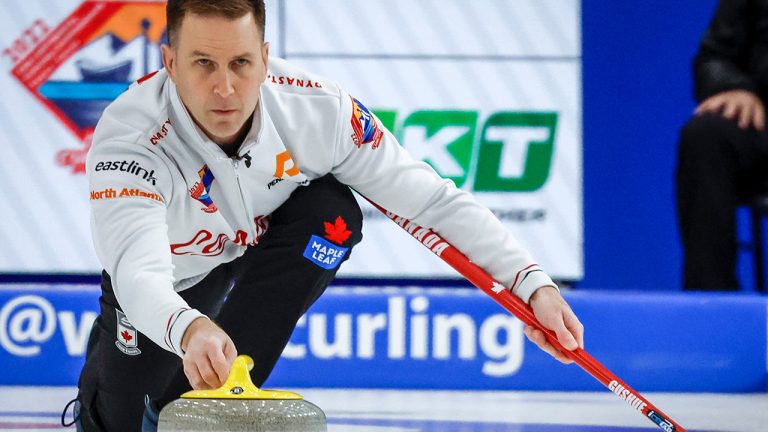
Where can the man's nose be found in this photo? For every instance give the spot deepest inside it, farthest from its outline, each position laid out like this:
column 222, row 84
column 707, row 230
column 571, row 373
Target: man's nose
column 223, row 84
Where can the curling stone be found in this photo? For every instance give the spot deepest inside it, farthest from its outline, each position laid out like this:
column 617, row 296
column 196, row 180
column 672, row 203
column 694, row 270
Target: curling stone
column 241, row 406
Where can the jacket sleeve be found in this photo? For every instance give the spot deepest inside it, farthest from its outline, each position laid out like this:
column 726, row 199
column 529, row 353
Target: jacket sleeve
column 721, row 62
column 371, row 161
column 129, row 189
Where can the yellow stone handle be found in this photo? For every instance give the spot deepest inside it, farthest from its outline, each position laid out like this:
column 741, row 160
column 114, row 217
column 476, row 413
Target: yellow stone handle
column 240, row 386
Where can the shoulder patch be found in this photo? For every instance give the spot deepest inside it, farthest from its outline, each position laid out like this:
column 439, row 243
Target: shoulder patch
column 364, row 126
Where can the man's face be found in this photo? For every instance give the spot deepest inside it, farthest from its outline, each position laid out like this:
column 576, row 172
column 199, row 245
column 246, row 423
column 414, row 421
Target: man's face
column 218, row 65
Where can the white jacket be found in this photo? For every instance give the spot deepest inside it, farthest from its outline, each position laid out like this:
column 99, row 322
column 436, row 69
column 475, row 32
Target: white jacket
column 168, row 205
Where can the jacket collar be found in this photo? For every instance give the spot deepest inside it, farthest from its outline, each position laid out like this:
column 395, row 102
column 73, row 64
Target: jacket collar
column 191, row 134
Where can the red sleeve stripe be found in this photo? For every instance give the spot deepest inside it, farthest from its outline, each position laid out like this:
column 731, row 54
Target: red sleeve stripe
column 169, row 326
column 146, row 77
column 517, row 276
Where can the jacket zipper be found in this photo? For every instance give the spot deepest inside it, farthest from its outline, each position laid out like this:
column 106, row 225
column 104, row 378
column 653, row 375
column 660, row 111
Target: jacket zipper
column 235, row 166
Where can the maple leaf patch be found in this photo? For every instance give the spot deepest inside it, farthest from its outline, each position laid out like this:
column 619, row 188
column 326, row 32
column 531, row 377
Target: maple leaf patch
column 126, row 336
column 337, row 232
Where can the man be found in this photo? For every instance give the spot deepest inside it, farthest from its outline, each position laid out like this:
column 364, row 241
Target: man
column 723, row 149
column 211, row 179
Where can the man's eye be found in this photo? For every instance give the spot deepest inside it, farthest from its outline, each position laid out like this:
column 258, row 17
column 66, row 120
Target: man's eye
column 203, row 62
column 242, row 62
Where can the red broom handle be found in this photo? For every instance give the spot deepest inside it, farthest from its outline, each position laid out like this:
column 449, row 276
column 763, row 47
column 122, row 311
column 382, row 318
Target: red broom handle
column 522, row 311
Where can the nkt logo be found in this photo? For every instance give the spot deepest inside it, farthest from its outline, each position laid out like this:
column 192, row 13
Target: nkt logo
column 506, row 152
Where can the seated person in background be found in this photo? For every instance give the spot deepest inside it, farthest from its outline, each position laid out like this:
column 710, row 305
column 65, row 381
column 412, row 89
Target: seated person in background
column 723, row 149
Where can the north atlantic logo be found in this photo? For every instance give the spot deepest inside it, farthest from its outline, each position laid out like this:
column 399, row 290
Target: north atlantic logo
column 86, row 62
column 201, row 190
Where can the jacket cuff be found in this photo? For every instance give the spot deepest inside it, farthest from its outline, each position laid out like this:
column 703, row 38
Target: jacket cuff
column 533, row 281
column 177, row 325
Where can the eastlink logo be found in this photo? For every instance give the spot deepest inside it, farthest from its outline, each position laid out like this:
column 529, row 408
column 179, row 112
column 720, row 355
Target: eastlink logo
column 29, row 321
column 408, row 327
column 131, row 167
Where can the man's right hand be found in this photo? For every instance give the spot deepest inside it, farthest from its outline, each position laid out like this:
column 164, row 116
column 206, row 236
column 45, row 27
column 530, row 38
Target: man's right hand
column 208, row 354
column 741, row 106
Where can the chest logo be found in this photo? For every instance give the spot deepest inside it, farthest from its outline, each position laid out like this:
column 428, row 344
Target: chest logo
column 281, row 165
column 285, row 166
column 201, row 190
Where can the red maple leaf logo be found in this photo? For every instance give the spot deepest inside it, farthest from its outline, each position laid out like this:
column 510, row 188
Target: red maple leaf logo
column 127, row 336
column 338, row 232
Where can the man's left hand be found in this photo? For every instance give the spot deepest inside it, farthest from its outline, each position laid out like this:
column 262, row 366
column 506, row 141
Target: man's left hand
column 554, row 314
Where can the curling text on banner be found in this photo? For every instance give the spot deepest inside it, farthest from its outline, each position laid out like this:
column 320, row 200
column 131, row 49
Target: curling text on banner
column 439, row 339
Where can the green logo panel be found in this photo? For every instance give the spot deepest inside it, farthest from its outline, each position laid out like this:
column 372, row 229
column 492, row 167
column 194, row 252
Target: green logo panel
column 443, row 139
column 533, row 131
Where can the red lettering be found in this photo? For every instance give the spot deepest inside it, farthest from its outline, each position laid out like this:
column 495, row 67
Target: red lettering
column 291, row 80
column 241, row 238
column 162, row 133
column 27, row 41
column 299, row 83
column 8, row 53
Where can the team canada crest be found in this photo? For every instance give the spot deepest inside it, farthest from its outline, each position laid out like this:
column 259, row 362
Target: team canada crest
column 127, row 336
column 90, row 58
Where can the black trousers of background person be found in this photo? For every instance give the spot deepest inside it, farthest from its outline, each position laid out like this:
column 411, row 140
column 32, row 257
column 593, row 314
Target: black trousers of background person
column 266, row 290
column 720, row 166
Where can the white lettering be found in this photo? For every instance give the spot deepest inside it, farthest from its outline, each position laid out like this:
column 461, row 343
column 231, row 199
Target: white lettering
column 367, row 326
column 431, row 240
column 34, row 321
column 509, row 352
column 396, row 341
column 464, row 326
column 410, row 330
column 434, row 149
column 515, row 144
column 419, row 328
column 341, row 347
column 612, row 385
column 76, row 336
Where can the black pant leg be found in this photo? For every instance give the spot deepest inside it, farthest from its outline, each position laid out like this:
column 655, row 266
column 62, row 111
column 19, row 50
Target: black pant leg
column 276, row 283
column 113, row 381
column 719, row 166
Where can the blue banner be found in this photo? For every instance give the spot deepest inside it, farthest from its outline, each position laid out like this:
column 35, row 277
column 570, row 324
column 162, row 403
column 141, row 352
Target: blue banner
column 440, row 339
column 44, row 332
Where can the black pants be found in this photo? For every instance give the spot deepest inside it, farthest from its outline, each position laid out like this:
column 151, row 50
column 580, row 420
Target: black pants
column 720, row 166
column 256, row 299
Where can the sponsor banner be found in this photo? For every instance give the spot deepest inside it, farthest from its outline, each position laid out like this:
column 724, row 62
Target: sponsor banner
column 435, row 339
column 526, row 28
column 515, row 144
column 496, row 111
column 44, row 331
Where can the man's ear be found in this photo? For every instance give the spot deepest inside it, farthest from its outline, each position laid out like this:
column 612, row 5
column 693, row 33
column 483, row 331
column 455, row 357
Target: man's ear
column 169, row 60
column 265, row 56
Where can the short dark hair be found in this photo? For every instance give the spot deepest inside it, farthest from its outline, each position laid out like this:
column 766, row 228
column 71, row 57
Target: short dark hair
column 176, row 10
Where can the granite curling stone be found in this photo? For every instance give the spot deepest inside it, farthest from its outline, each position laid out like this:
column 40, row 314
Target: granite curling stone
column 241, row 406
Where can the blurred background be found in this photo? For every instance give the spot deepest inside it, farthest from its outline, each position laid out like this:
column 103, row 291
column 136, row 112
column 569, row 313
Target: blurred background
column 596, row 208
column 562, row 116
